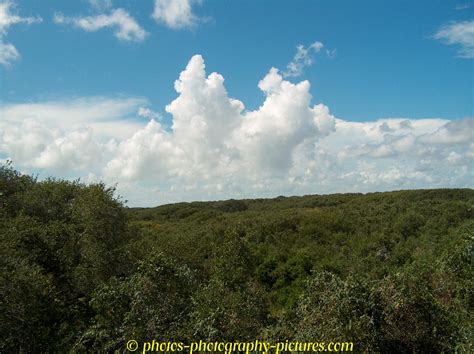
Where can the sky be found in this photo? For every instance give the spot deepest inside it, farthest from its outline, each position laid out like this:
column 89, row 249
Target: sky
column 181, row 100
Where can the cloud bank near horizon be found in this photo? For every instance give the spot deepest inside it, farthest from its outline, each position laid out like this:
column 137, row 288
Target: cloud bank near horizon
column 216, row 149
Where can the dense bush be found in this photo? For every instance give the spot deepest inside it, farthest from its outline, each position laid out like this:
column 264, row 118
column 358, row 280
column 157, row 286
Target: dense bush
column 391, row 272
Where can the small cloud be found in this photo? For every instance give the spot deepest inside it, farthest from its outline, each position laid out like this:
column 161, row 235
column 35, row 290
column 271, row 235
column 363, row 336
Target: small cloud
column 7, row 18
column 125, row 27
column 60, row 19
column 461, row 34
column 317, row 46
column 176, row 14
column 8, row 52
column 304, row 57
column 464, row 6
column 148, row 113
column 101, row 5
column 331, row 53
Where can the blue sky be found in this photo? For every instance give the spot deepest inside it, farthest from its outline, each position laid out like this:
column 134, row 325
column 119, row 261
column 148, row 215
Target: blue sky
column 387, row 63
column 87, row 90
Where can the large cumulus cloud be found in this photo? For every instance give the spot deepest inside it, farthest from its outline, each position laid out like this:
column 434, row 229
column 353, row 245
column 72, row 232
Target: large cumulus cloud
column 214, row 137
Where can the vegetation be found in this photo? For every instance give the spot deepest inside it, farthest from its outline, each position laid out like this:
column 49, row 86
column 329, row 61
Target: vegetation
column 391, row 272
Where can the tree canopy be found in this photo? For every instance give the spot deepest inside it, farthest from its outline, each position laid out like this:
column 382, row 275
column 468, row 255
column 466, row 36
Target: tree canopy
column 391, row 272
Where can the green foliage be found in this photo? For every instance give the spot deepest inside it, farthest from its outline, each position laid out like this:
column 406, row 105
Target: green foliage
column 154, row 302
column 12, row 184
column 408, row 302
column 333, row 309
column 391, row 272
column 231, row 305
column 28, row 307
column 62, row 239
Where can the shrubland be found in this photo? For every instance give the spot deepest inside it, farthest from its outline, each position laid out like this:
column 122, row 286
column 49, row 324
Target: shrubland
column 391, row 272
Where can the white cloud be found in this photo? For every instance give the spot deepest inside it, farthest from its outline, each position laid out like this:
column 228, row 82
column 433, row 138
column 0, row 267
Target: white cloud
column 124, row 26
column 213, row 137
column 415, row 157
column 149, row 153
column 101, row 5
column 286, row 119
column 8, row 52
column 216, row 149
column 65, row 114
column 149, row 114
column 461, row 34
column 41, row 147
column 464, row 6
column 72, row 134
column 7, row 18
column 452, row 133
column 175, row 14
column 303, row 58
